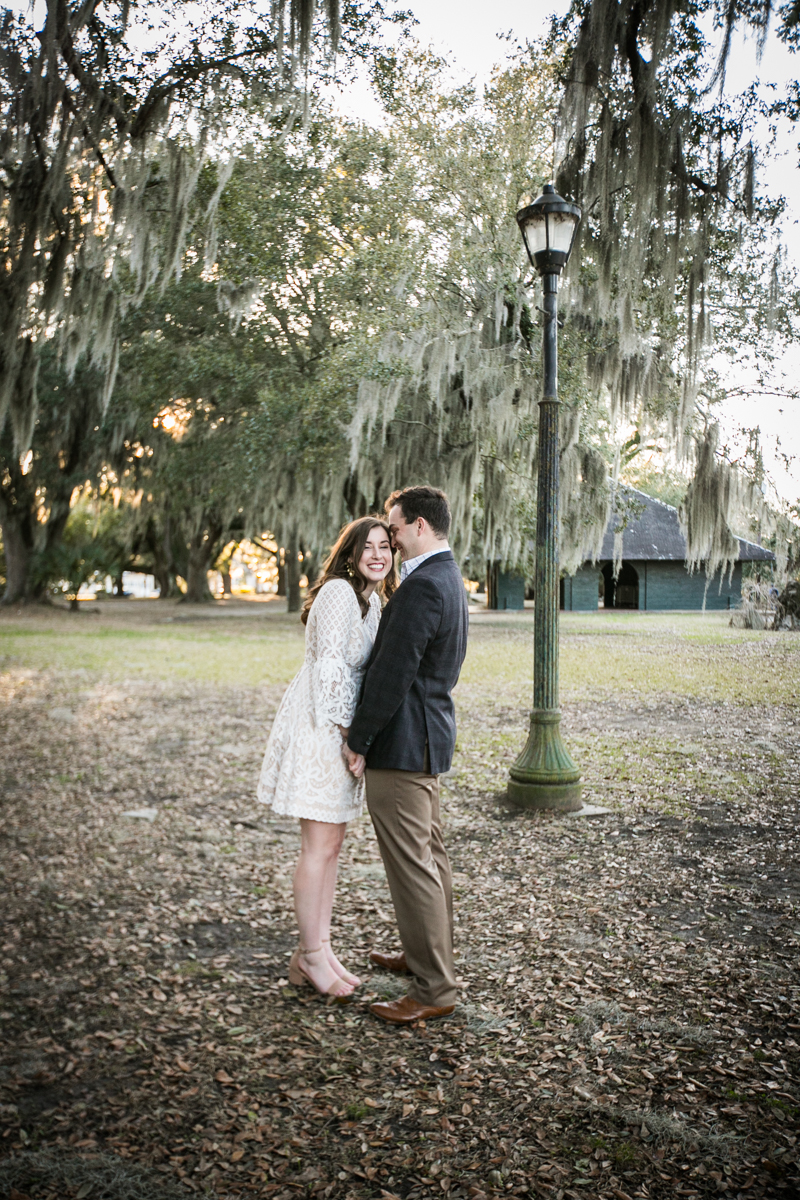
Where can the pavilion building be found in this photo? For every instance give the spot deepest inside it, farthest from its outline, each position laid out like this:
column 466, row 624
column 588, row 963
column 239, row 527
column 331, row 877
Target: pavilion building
column 654, row 574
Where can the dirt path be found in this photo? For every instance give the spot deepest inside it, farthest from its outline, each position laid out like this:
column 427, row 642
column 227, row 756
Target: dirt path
column 630, row 1018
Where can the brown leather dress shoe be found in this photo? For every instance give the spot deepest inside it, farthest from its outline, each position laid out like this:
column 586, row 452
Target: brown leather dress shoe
column 390, row 962
column 406, row 1011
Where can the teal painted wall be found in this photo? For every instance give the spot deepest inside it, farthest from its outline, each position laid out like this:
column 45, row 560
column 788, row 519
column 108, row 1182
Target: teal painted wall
column 505, row 589
column 662, row 585
column 669, row 585
column 510, row 590
column 580, row 593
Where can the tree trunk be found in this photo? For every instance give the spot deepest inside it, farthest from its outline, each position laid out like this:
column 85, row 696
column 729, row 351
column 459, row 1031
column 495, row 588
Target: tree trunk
column 167, row 586
column 19, row 559
column 226, row 582
column 160, row 548
column 492, row 570
column 202, row 551
column 292, row 577
column 28, row 541
column 118, row 588
column 17, row 563
column 281, row 564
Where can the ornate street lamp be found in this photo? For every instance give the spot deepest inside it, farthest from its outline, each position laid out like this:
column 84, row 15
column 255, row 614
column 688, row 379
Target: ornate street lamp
column 544, row 775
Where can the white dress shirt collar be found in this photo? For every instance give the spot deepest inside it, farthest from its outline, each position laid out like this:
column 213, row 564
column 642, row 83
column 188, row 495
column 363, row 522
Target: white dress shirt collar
column 411, row 564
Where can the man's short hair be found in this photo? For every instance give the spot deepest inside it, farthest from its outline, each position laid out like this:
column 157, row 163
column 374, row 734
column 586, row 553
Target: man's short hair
column 426, row 502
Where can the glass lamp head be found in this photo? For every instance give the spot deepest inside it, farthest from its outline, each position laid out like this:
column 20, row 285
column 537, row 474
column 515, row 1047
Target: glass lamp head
column 548, row 228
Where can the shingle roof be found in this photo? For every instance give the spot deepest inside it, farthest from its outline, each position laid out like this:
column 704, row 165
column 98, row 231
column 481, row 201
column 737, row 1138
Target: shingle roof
column 653, row 532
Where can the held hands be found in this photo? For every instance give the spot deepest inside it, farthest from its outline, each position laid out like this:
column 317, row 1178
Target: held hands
column 355, row 762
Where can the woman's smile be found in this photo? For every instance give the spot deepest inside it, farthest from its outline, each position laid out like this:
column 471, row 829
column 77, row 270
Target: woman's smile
column 376, row 557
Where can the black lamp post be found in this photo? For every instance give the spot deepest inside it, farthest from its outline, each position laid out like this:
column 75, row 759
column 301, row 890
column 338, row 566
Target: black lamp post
column 544, row 775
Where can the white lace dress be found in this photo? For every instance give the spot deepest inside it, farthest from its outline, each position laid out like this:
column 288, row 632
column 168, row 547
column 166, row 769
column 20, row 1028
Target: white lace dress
column 304, row 772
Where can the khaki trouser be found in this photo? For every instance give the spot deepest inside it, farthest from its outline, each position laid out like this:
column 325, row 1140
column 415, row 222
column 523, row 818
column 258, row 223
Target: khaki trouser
column 404, row 806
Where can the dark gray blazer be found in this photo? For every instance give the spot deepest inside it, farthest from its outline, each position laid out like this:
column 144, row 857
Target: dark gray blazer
column 414, row 665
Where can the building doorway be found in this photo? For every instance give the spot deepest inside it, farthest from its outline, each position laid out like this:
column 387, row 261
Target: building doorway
column 622, row 592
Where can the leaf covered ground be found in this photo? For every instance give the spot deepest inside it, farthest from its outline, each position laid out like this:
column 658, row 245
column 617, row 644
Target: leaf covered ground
column 629, row 1023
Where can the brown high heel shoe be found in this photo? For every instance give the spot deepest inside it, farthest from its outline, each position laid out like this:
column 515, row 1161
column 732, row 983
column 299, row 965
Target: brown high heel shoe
column 339, row 991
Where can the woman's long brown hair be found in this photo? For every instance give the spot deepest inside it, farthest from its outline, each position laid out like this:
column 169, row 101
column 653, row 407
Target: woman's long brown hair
column 343, row 560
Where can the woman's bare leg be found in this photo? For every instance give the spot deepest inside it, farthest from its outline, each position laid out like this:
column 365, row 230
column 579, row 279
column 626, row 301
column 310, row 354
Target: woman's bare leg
column 328, row 893
column 320, row 843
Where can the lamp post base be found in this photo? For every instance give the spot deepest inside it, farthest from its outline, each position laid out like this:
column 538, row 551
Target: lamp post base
column 549, row 797
column 544, row 776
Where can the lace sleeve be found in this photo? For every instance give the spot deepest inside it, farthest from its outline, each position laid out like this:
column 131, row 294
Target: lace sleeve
column 334, row 684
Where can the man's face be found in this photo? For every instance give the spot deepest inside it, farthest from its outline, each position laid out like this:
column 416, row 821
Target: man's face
column 405, row 537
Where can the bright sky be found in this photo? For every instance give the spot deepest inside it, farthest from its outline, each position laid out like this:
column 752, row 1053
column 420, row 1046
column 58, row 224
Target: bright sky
column 469, row 30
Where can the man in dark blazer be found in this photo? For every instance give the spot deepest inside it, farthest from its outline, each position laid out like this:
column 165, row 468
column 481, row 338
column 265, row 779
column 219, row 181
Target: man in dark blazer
column 403, row 734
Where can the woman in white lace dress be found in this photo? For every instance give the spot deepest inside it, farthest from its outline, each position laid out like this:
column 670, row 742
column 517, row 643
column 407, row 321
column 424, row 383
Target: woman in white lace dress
column 305, row 773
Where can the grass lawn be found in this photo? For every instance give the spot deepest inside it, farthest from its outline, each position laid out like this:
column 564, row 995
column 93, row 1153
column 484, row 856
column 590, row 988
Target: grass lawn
column 629, row 1018
column 684, row 654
